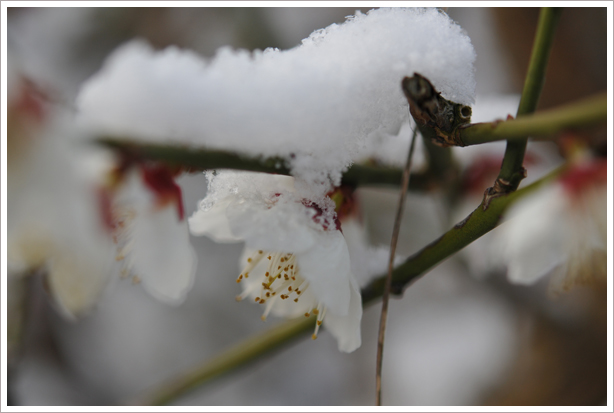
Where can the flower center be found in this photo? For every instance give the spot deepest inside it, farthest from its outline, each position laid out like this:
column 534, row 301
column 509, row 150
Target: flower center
column 280, row 280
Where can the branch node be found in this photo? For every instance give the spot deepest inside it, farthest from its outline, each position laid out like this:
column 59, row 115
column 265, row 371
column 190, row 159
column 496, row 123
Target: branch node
column 503, row 187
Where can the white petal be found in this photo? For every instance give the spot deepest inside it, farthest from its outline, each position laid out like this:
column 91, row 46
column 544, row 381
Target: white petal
column 213, row 223
column 534, row 241
column 162, row 256
column 75, row 282
column 283, row 227
column 326, row 265
column 346, row 329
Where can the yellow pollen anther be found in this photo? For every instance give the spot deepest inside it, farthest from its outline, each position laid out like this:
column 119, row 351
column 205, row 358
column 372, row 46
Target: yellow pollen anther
column 268, row 294
column 279, row 275
column 306, row 314
column 266, row 273
column 292, row 267
column 262, row 301
column 315, row 311
column 249, row 260
column 263, row 318
column 269, row 257
column 282, row 259
column 286, row 269
column 313, row 336
column 290, row 288
column 238, row 298
column 319, row 322
column 296, row 300
column 259, row 251
column 246, row 274
column 279, row 267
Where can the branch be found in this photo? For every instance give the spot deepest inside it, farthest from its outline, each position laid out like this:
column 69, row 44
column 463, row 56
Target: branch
column 584, row 113
column 200, row 159
column 474, row 226
column 247, row 351
column 512, row 171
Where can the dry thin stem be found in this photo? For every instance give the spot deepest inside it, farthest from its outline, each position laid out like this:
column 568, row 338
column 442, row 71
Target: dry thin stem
column 386, row 295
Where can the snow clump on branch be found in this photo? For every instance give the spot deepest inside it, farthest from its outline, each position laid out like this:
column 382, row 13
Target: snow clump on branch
column 316, row 105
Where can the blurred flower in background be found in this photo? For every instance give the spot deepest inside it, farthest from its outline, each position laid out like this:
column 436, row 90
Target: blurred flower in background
column 461, row 335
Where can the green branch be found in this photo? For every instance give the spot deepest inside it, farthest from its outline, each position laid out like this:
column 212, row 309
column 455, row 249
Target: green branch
column 512, row 171
column 462, row 234
column 581, row 114
column 200, row 159
column 237, row 356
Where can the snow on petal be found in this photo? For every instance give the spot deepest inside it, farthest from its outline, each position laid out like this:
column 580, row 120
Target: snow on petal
column 314, row 105
column 285, row 227
column 213, row 223
column 296, row 260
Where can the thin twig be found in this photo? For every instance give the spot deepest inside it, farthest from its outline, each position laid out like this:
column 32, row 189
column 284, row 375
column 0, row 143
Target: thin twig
column 393, row 249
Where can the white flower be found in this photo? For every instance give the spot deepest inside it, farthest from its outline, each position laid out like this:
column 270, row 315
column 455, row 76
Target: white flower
column 296, row 259
column 560, row 227
column 145, row 213
column 53, row 224
column 67, row 203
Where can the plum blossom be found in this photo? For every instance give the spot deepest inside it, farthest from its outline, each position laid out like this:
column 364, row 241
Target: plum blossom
column 296, row 261
column 143, row 208
column 560, row 229
column 68, row 202
column 53, row 224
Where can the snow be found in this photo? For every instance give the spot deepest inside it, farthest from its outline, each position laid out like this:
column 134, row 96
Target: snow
column 316, row 105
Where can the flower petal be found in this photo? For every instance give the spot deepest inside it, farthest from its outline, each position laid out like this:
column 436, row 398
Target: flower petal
column 162, row 256
column 326, row 265
column 213, row 223
column 285, row 227
column 346, row 329
column 535, row 239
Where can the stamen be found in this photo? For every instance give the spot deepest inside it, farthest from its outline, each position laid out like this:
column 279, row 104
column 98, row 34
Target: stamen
column 319, row 319
column 270, row 288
